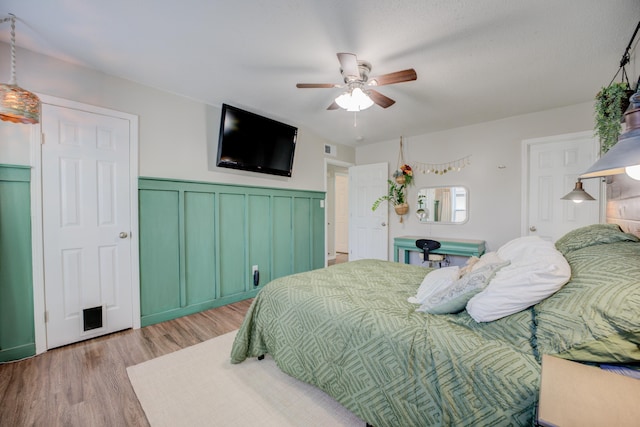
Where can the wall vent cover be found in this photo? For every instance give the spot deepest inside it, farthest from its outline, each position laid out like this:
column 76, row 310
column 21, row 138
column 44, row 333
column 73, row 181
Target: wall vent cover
column 330, row 150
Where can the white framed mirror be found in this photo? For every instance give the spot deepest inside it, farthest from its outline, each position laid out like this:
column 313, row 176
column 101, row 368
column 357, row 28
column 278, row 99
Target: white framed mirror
column 443, row 205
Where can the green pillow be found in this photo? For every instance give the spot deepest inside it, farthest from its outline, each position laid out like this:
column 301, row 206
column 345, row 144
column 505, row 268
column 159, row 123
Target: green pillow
column 596, row 234
column 454, row 298
column 595, row 317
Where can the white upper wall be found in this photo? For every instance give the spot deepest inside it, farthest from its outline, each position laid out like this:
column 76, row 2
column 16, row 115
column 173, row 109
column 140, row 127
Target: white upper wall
column 495, row 192
column 176, row 136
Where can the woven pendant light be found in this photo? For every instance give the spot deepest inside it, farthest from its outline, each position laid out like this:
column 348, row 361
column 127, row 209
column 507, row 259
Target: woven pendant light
column 17, row 105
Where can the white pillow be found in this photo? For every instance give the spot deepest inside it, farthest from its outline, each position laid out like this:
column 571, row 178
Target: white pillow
column 435, row 280
column 537, row 271
column 523, row 248
column 453, row 298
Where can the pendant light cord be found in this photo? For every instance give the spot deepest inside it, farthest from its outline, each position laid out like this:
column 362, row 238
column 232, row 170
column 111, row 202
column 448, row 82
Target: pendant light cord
column 13, row 51
column 12, row 18
column 400, row 154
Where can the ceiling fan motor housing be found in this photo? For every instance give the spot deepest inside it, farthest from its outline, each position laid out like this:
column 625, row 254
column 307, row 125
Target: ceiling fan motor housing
column 364, row 68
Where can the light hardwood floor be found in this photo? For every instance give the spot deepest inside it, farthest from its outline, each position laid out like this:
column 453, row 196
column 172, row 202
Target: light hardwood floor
column 339, row 259
column 86, row 384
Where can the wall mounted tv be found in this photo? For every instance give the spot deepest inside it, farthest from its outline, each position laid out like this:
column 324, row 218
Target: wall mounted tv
column 254, row 143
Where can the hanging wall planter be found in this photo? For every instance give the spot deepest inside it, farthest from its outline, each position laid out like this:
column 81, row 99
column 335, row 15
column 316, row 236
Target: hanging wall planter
column 396, row 197
column 400, row 179
column 402, row 209
column 404, row 174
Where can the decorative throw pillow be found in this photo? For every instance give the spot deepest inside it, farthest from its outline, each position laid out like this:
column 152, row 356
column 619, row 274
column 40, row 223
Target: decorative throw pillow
column 474, row 263
column 471, row 262
column 453, row 298
column 434, row 281
column 486, row 259
column 595, row 234
column 537, row 271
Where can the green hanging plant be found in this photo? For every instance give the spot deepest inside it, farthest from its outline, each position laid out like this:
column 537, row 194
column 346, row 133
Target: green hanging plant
column 395, row 196
column 610, row 104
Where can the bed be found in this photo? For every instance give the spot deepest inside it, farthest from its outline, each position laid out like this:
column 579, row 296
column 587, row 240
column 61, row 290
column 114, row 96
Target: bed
column 353, row 331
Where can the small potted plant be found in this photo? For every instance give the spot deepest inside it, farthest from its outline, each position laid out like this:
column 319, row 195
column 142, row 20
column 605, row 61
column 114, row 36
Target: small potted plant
column 611, row 102
column 396, row 197
column 404, row 175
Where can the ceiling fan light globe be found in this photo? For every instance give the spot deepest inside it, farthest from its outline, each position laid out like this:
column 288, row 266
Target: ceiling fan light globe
column 361, row 98
column 366, row 104
column 354, row 100
column 343, row 100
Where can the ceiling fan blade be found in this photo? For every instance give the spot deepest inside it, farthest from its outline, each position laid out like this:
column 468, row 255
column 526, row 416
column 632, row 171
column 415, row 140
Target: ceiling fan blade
column 316, row 85
column 391, row 78
column 333, row 106
column 380, row 99
column 349, row 65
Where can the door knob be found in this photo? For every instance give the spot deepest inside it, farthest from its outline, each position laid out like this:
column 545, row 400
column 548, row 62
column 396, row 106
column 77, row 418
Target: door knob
column 123, row 235
column 383, row 224
column 533, row 228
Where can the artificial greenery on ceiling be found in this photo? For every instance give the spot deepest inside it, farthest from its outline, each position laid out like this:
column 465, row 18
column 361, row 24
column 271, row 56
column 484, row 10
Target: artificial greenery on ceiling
column 610, row 104
column 613, row 100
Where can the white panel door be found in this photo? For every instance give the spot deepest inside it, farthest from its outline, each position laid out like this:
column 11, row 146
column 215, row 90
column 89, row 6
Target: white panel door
column 554, row 166
column 368, row 235
column 86, row 224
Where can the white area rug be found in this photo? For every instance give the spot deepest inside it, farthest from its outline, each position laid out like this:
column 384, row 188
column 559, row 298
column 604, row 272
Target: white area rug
column 199, row 386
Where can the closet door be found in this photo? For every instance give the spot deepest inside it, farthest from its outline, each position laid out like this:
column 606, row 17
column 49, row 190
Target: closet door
column 86, row 224
column 554, row 165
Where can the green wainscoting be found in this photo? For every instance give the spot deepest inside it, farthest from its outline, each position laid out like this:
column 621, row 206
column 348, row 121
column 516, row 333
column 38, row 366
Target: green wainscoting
column 199, row 241
column 17, row 336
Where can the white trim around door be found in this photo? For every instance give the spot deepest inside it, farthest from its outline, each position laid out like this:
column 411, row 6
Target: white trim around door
column 328, row 162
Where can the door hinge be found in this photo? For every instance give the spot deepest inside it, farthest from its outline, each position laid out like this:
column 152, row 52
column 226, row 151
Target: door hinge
column 46, row 317
column 42, row 139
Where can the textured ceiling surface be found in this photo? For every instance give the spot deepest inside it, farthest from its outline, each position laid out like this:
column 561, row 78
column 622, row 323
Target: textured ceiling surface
column 476, row 60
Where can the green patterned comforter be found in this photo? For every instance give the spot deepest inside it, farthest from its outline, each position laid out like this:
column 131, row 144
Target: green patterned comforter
column 349, row 330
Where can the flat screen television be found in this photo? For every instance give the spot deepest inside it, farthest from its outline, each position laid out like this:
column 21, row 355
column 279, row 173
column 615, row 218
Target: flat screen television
column 254, row 143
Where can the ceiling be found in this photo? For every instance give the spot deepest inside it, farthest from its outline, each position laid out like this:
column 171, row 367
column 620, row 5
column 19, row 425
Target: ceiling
column 476, row 60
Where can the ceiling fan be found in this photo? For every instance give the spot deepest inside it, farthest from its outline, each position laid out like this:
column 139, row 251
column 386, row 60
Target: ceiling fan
column 357, row 82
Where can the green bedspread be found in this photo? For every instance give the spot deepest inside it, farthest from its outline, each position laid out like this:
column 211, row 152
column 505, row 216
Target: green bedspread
column 349, row 330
